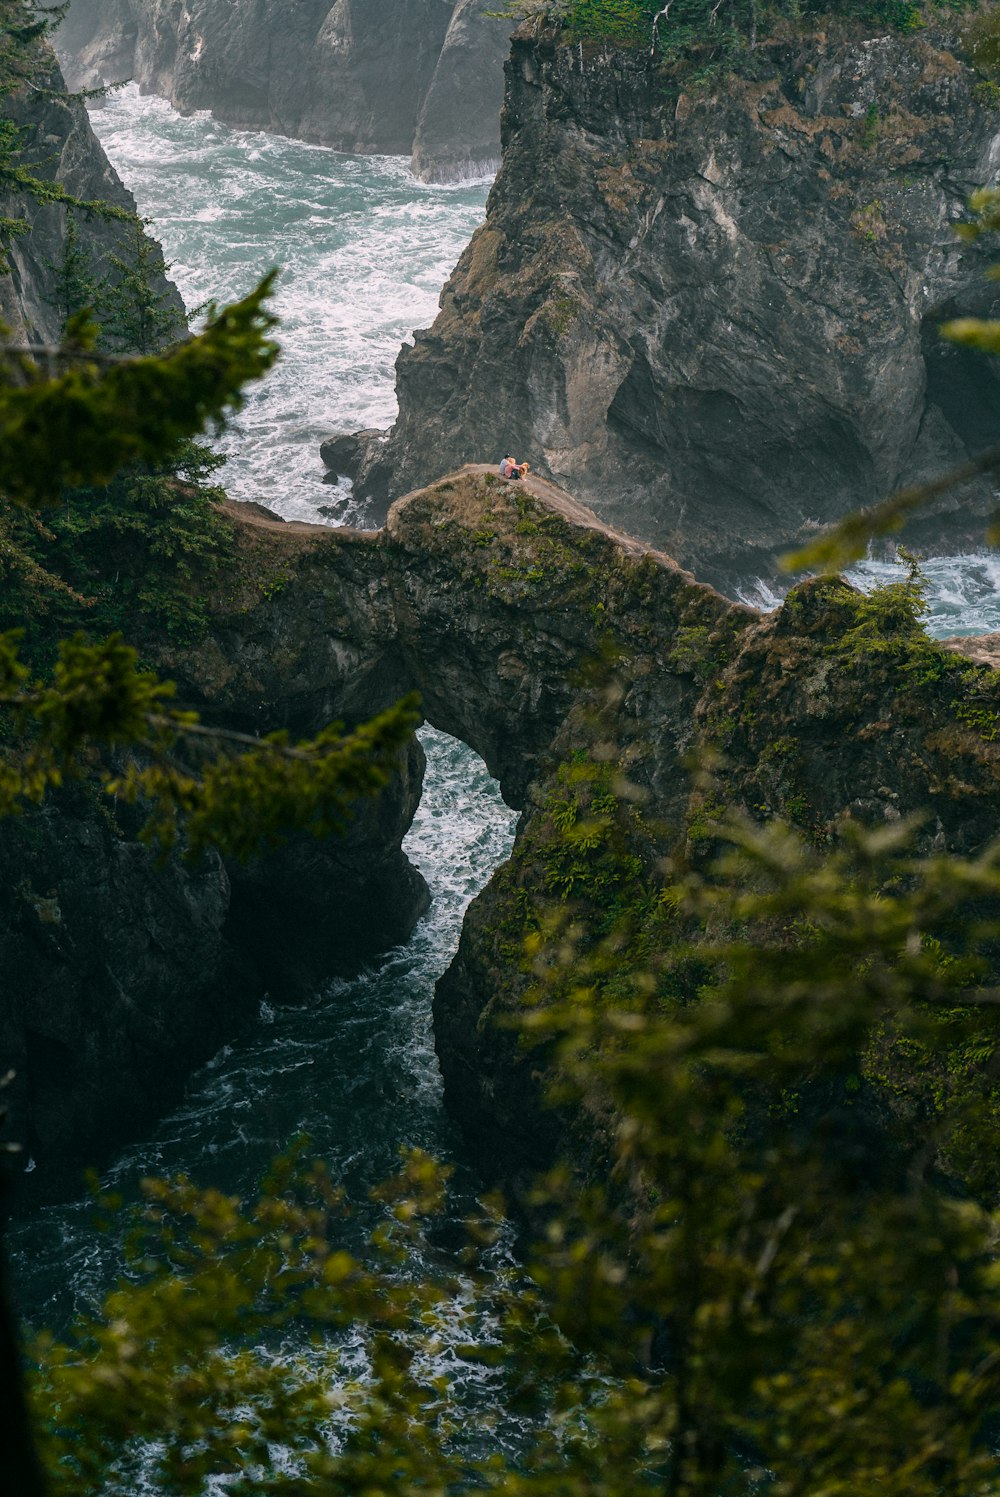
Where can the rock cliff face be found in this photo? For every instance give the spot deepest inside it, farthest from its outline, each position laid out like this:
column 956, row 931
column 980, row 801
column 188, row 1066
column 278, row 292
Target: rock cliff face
column 566, row 654
column 119, row 976
column 570, row 655
column 714, row 316
column 59, row 146
column 400, row 76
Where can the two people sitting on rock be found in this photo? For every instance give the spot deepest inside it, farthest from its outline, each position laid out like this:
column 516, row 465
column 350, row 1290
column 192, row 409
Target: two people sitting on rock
column 511, row 469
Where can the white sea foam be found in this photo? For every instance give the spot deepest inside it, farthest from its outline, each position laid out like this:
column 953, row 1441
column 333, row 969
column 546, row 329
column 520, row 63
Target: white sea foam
column 963, row 592
column 364, row 250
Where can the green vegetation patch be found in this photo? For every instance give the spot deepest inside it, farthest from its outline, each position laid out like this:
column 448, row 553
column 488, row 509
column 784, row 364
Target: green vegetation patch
column 138, row 555
column 706, row 37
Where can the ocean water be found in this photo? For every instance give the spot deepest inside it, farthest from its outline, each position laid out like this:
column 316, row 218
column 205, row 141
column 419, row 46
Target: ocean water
column 363, row 250
column 353, row 1069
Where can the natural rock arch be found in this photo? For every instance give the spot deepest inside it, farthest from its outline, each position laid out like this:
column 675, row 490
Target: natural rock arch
column 542, row 638
column 487, row 598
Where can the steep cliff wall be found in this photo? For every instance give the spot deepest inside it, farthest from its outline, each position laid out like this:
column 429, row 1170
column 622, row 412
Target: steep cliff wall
column 585, row 666
column 60, row 146
column 400, row 76
column 714, row 315
column 118, row 975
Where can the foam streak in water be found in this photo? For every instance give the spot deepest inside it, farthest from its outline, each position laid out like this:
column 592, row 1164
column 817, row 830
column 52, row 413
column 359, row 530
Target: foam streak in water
column 364, row 250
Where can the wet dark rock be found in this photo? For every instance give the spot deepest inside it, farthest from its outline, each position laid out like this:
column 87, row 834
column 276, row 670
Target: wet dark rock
column 328, row 907
column 467, row 85
column 120, row 974
column 117, row 981
column 342, row 453
column 400, row 76
column 715, row 316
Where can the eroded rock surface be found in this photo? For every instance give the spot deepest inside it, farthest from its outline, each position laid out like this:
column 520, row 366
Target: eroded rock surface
column 585, row 666
column 118, row 975
column 715, row 316
column 117, row 978
column 413, row 77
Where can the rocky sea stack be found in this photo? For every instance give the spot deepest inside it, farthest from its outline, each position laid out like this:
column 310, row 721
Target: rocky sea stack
column 713, row 312
column 588, row 669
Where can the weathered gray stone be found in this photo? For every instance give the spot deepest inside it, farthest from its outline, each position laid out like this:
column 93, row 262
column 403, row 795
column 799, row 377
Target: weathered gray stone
column 715, row 316
column 59, row 145
column 467, row 85
column 341, row 454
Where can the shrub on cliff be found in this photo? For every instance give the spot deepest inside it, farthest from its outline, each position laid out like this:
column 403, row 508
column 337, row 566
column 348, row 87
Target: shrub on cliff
column 139, row 555
column 724, row 28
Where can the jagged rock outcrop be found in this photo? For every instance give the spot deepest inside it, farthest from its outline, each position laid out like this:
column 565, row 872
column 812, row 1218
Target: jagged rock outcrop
column 117, row 978
column 414, row 77
column 570, row 655
column 120, row 975
column 60, row 146
column 467, row 87
column 714, row 315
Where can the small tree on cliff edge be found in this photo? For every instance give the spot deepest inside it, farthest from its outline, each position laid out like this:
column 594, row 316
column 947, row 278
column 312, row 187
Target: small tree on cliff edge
column 76, row 286
column 135, row 314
